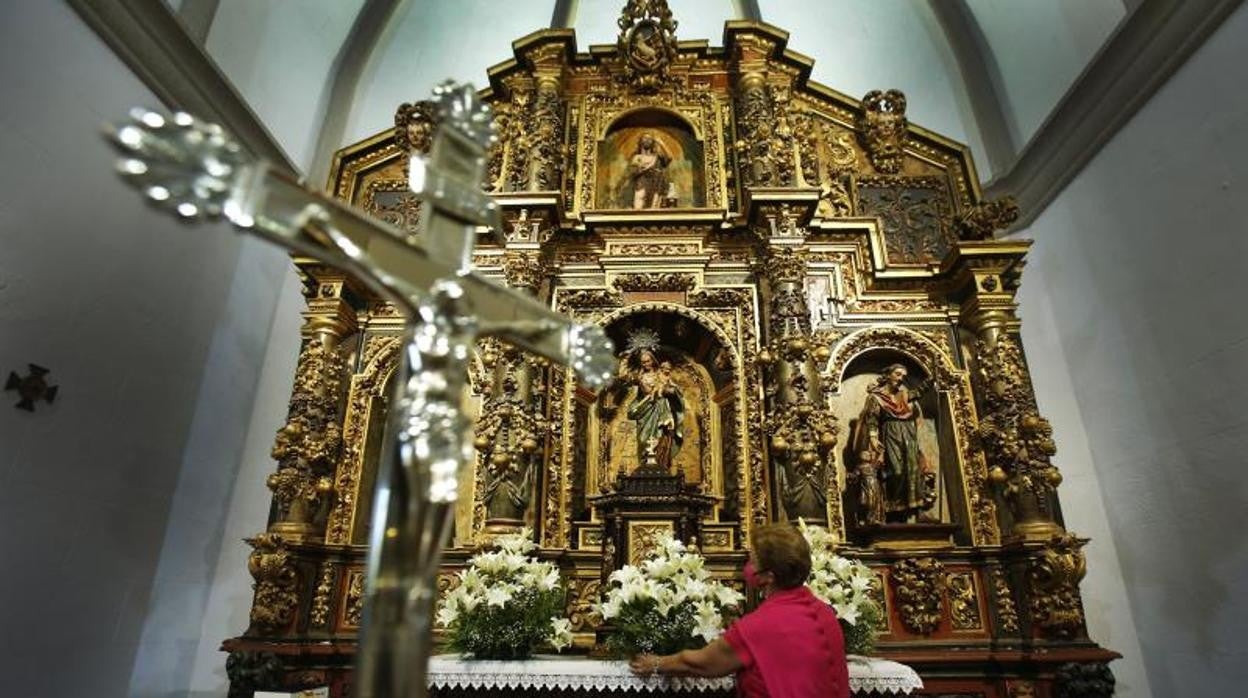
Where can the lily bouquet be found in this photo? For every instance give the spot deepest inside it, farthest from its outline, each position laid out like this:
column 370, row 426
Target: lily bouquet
column 846, row 585
column 506, row 603
column 667, row 604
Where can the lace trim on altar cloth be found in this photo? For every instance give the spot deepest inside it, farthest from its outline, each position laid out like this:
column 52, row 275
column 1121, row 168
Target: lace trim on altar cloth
column 866, row 675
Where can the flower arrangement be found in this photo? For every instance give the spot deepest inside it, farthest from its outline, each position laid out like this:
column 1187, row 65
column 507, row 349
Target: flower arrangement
column 668, row 604
column 845, row 585
column 506, row 604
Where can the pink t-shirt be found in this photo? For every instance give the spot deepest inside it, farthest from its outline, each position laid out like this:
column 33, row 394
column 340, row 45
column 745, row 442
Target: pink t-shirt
column 790, row 647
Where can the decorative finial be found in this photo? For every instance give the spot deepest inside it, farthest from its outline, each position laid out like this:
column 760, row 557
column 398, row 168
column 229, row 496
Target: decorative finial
column 647, row 42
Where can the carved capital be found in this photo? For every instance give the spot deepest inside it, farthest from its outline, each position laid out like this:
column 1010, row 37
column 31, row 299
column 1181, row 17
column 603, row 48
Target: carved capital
column 784, row 265
column 524, row 270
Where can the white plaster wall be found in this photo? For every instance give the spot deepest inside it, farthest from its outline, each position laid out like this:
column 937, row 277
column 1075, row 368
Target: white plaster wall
column 1143, row 263
column 228, row 599
column 148, row 328
column 864, row 46
column 280, row 55
column 1106, row 602
column 430, row 41
column 1040, row 49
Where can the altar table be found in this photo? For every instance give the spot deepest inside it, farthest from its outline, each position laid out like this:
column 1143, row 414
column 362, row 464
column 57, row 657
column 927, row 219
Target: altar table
column 550, row 675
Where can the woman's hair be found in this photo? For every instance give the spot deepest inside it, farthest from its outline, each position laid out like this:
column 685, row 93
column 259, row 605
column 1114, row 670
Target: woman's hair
column 783, row 551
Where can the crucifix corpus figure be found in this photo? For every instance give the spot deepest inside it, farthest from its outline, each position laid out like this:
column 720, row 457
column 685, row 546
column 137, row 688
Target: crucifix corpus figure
column 198, row 171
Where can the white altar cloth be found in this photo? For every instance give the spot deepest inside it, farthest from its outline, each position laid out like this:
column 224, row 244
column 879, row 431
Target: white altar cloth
column 867, row 675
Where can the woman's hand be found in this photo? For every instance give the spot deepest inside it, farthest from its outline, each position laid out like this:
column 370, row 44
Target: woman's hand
column 645, row 664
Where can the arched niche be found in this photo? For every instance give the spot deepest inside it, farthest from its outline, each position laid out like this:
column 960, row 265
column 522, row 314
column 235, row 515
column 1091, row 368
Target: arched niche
column 856, row 366
column 623, row 149
column 706, row 368
column 366, row 424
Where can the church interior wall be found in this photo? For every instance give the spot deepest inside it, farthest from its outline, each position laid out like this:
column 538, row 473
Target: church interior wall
column 854, row 44
column 229, row 588
column 1132, row 255
column 1137, row 277
column 147, row 326
column 256, row 44
column 433, row 41
column 1039, row 49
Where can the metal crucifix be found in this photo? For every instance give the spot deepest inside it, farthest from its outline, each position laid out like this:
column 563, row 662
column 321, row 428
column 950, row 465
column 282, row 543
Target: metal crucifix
column 198, row 171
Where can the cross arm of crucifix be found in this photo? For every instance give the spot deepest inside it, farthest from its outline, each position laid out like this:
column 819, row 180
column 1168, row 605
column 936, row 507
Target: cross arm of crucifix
column 196, row 170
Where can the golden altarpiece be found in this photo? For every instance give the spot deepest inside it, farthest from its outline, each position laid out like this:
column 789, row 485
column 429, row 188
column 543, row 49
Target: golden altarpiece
column 814, row 321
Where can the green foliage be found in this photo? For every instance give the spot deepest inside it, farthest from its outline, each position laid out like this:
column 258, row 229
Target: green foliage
column 510, row 631
column 860, row 636
column 641, row 629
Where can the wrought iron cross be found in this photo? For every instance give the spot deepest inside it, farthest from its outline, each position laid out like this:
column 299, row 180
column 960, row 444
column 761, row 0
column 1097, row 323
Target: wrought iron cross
column 198, row 171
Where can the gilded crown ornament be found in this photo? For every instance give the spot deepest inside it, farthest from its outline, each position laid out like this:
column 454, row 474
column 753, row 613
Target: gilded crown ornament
column 647, row 42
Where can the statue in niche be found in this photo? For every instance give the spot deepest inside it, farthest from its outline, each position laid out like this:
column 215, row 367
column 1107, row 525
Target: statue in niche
column 654, row 407
column 507, row 490
column 895, row 480
column 646, row 184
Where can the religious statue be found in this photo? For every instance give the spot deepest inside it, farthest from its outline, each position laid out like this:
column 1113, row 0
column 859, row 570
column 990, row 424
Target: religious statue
column 892, row 473
column 507, row 491
column 658, row 410
column 646, row 184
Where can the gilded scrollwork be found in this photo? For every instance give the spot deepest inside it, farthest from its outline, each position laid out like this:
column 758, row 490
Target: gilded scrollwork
column 983, row 220
column 380, row 357
column 583, row 597
column 353, row 603
column 654, row 281
column 319, row 613
column 963, row 601
column 276, row 583
column 918, row 586
column 1053, row 577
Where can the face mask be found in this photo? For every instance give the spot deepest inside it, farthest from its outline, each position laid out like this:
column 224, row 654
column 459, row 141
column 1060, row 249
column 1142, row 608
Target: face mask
column 751, row 575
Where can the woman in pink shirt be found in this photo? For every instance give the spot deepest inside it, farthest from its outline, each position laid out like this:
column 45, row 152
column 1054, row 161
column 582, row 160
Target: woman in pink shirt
column 789, row 647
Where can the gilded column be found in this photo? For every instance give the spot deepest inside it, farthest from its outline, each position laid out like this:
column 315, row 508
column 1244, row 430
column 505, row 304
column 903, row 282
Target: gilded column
column 1015, row 439
column 511, row 433
column 801, row 430
column 307, row 446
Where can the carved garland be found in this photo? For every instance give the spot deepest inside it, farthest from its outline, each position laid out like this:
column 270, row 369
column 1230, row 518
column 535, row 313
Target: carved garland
column 918, row 584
